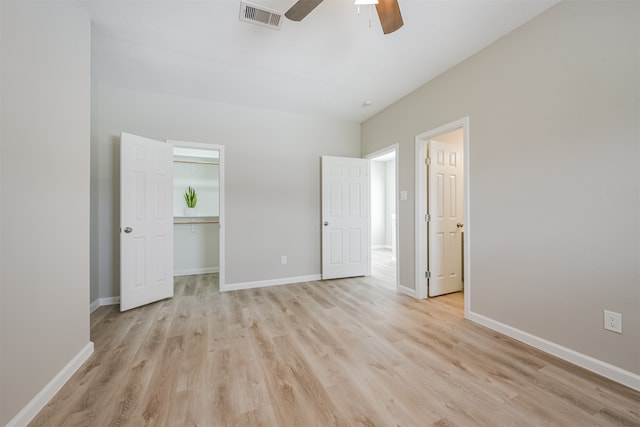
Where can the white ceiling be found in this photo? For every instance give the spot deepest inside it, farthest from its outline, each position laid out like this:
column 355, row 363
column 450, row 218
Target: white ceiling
column 326, row 65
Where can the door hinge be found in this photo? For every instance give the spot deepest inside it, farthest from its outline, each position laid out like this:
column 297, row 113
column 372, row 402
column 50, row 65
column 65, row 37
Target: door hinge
column 427, row 217
column 427, row 161
column 427, row 275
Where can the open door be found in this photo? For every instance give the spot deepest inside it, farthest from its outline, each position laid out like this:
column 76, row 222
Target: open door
column 146, row 221
column 445, row 207
column 345, row 218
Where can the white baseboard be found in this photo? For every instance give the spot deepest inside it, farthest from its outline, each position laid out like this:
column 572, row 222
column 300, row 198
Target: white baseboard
column 197, row 271
column 103, row 301
column 41, row 399
column 265, row 283
column 605, row 369
column 407, row 291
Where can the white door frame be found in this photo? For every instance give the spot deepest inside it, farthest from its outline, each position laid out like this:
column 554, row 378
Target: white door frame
column 390, row 149
column 221, row 217
column 421, row 208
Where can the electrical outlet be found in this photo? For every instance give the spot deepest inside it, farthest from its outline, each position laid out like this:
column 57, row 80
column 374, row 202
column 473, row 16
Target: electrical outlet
column 283, row 259
column 613, row 321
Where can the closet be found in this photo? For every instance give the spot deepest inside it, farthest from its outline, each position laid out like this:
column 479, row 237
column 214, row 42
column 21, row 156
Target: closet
column 196, row 232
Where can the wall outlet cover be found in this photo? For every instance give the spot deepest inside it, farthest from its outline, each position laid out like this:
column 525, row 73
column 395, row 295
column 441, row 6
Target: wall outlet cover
column 613, row 321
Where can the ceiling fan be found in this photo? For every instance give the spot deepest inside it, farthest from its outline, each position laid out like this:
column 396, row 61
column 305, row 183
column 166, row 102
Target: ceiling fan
column 388, row 12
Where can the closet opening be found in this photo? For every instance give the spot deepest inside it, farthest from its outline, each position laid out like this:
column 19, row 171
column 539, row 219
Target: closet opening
column 197, row 211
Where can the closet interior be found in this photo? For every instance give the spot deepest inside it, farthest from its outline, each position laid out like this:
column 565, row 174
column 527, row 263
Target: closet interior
column 196, row 231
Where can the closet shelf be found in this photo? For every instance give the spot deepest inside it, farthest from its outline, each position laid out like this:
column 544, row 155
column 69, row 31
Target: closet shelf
column 193, row 162
column 195, row 222
column 201, row 219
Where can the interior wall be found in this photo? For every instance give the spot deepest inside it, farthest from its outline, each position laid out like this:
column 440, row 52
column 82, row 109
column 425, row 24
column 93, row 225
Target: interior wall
column 2, row 417
column 554, row 175
column 205, row 180
column 383, row 202
column 44, row 178
column 196, row 249
column 378, row 204
column 272, row 172
column 390, row 207
column 93, row 221
column 453, row 137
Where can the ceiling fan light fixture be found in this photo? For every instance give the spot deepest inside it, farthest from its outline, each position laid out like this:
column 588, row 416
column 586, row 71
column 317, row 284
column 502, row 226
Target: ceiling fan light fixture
column 387, row 10
column 369, row 3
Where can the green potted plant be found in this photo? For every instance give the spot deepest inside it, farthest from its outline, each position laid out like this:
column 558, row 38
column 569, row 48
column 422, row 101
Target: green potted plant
column 191, row 197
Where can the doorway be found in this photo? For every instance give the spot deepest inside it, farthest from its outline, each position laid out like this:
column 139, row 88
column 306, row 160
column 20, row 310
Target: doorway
column 150, row 210
column 383, row 216
column 434, row 253
column 199, row 230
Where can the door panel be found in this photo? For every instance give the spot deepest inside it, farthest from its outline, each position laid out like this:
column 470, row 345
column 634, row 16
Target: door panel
column 344, row 216
column 146, row 216
column 445, row 207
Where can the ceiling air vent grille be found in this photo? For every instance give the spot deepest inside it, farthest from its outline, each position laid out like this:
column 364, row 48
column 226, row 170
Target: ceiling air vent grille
column 260, row 15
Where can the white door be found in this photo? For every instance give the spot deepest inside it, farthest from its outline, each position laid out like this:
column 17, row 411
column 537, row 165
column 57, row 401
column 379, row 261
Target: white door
column 445, row 207
column 345, row 219
column 146, row 221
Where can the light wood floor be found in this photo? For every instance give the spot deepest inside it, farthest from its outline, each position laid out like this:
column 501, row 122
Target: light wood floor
column 342, row 352
column 383, row 268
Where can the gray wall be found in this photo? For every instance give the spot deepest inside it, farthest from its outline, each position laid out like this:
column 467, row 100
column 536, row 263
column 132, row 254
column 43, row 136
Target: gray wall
column 93, row 221
column 554, row 169
column 45, row 195
column 390, row 208
column 272, row 175
column 383, row 202
column 378, row 204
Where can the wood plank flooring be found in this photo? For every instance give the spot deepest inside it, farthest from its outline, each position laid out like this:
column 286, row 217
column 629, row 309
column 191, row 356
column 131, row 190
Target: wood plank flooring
column 343, row 352
column 383, row 268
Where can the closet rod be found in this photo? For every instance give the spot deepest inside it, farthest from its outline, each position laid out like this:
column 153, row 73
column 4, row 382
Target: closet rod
column 196, row 163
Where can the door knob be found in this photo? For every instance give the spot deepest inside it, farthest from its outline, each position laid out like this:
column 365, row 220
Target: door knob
column 128, row 229
column 326, row 223
column 459, row 225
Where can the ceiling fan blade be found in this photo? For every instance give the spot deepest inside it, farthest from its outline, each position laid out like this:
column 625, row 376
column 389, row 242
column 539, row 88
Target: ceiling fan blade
column 389, row 14
column 301, row 9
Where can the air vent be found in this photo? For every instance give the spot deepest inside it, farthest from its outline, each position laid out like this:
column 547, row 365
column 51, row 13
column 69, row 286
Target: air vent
column 260, row 15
